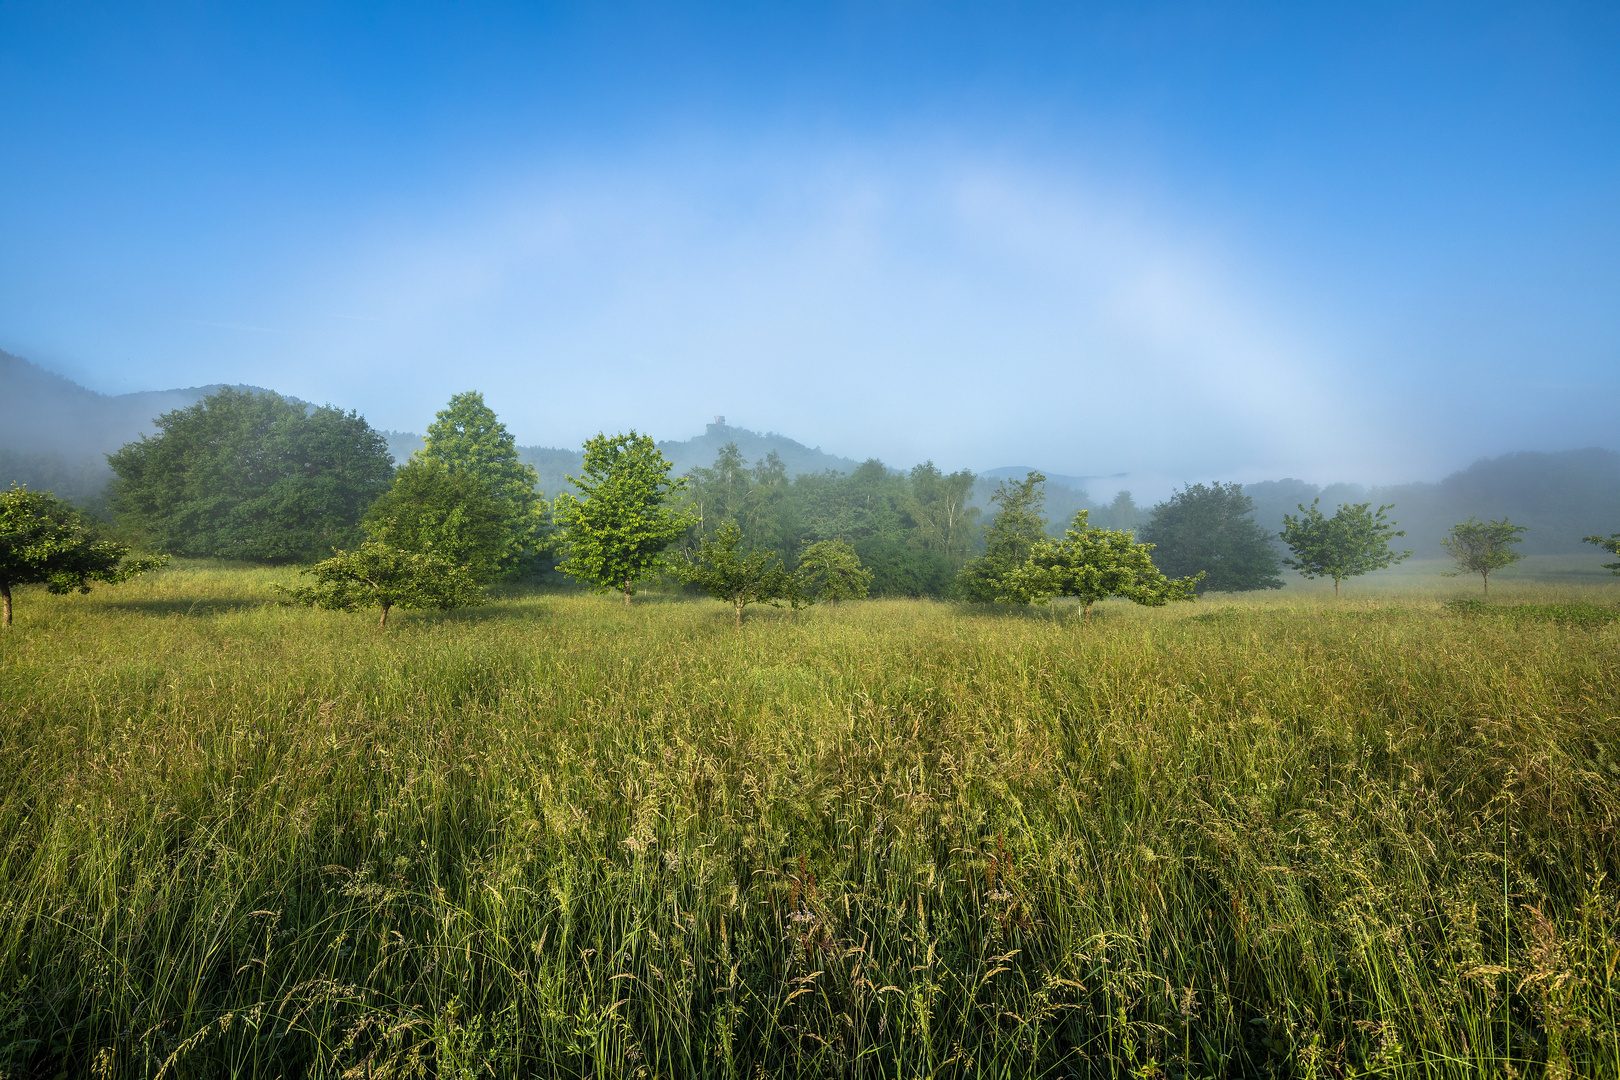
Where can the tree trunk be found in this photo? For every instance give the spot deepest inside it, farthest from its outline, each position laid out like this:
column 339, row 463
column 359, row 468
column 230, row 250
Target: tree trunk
column 626, row 592
column 1487, row 576
column 738, row 605
column 1087, row 616
column 1335, row 588
column 5, row 601
column 382, row 623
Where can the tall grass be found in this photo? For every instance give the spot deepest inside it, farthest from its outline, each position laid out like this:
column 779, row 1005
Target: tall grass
column 556, row 837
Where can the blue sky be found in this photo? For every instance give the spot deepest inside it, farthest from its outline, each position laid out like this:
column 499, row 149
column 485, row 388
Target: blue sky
column 1189, row 241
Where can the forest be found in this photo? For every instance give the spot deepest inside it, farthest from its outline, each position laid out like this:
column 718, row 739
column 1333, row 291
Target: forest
column 913, row 528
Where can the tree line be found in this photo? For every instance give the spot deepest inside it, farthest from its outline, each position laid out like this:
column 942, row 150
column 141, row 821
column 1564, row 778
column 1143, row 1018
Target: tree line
column 251, row 475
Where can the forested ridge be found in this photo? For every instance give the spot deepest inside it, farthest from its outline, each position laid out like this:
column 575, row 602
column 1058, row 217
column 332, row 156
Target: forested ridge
column 914, row 527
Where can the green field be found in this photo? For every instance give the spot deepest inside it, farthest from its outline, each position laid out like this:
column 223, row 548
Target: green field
column 1275, row 835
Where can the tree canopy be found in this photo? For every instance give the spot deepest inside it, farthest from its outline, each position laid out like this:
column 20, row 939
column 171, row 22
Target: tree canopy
column 1209, row 529
column 620, row 524
column 1093, row 564
column 1354, row 541
column 1479, row 547
column 723, row 570
column 250, row 476
column 44, row 541
column 1611, row 545
column 830, row 570
column 467, row 437
column 1019, row 525
column 381, row 576
column 449, row 512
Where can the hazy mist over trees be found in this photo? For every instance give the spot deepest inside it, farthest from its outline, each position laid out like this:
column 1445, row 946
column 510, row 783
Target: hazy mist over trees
column 913, row 528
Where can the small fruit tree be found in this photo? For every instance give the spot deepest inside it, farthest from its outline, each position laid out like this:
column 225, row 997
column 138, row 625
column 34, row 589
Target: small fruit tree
column 45, row 541
column 1478, row 547
column 830, row 570
column 1354, row 541
column 1094, row 564
column 719, row 569
column 377, row 575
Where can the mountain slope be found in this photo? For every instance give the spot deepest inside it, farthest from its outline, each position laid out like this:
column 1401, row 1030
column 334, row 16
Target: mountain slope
column 56, row 434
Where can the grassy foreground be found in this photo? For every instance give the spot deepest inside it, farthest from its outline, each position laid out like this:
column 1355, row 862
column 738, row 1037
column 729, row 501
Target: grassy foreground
column 556, row 837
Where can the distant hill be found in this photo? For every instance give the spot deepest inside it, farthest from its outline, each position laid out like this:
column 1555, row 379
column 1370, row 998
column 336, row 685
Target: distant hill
column 1562, row 496
column 56, row 434
column 555, row 465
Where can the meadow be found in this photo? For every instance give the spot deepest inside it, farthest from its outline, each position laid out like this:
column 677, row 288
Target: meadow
column 1274, row 835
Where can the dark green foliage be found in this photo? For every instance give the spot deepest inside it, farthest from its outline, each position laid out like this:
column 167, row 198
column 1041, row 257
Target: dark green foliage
column 250, row 476
column 377, row 575
column 938, row 513
column 730, row 491
column 720, row 568
column 911, row 530
column 449, row 512
column 1611, row 545
column 831, row 570
column 1210, row 529
column 1092, row 564
column 1012, row 534
column 1571, row 614
column 900, row 569
column 623, row 520
column 1354, row 541
column 44, row 541
column 467, row 437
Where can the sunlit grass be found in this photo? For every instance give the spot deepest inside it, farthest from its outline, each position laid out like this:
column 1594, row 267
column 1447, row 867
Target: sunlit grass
column 556, row 836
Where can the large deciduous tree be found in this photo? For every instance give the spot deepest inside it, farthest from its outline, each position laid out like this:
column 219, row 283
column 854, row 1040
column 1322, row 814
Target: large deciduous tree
column 44, row 541
column 1012, row 534
column 247, row 475
column 941, row 519
column 720, row 568
column 467, row 437
column 1093, row 564
column 381, row 576
column 1210, row 529
column 1611, row 545
column 622, row 521
column 1479, row 547
column 1354, row 541
column 449, row 512
column 830, row 570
